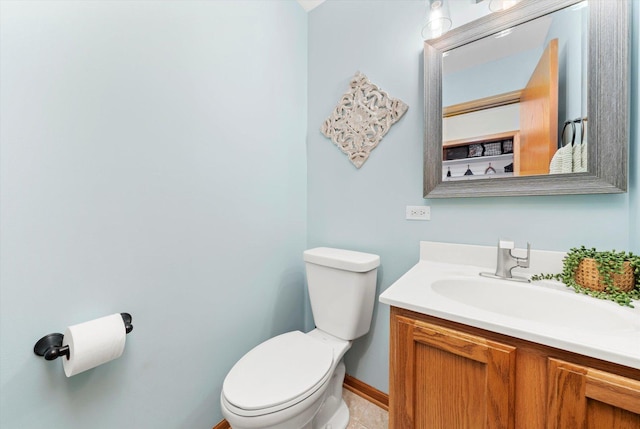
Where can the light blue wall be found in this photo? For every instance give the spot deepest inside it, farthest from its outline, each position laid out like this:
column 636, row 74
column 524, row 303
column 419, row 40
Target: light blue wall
column 364, row 209
column 153, row 161
column 634, row 152
column 570, row 28
column 503, row 75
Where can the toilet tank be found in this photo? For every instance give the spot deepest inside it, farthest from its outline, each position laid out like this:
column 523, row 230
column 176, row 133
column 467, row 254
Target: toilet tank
column 342, row 289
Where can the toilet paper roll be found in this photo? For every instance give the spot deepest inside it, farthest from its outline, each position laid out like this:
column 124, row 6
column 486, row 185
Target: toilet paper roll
column 93, row 343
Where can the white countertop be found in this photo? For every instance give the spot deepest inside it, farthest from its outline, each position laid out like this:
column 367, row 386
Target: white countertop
column 439, row 261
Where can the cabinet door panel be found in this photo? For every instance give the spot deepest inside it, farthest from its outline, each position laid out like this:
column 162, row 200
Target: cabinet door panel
column 604, row 416
column 451, row 379
column 401, row 374
column 453, row 388
column 586, row 398
column 613, row 390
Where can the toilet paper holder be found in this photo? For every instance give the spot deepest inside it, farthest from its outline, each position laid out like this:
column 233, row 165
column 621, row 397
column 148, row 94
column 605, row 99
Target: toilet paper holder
column 50, row 346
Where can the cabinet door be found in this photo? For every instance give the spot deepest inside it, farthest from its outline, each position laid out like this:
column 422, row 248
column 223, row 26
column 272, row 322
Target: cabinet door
column 442, row 378
column 585, row 398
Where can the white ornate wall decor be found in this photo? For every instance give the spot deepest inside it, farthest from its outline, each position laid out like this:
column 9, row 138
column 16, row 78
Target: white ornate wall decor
column 361, row 119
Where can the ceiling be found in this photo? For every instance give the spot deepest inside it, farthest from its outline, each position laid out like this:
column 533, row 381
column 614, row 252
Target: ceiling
column 310, row 4
column 473, row 54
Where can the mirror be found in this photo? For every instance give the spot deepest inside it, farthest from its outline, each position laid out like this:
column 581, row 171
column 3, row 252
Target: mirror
column 597, row 95
column 512, row 100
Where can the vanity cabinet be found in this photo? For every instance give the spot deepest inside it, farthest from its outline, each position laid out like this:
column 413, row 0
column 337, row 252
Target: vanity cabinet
column 443, row 378
column 448, row 375
column 584, row 397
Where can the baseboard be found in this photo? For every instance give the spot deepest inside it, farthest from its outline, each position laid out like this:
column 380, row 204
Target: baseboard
column 366, row 391
column 354, row 385
column 222, row 425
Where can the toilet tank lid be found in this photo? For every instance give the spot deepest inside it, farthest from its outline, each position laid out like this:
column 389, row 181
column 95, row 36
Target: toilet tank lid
column 341, row 259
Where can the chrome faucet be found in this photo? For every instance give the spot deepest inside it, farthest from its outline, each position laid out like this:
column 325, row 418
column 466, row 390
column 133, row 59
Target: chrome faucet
column 507, row 261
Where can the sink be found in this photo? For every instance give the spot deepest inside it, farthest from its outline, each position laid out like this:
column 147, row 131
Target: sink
column 544, row 312
column 536, row 303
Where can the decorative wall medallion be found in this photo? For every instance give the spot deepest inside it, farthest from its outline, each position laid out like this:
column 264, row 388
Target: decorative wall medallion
column 361, row 119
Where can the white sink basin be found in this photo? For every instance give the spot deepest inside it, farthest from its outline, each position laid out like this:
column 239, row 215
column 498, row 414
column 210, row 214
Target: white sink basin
column 545, row 312
column 536, row 303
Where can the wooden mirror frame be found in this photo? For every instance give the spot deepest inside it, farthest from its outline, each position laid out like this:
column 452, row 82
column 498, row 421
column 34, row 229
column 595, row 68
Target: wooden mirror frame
column 608, row 104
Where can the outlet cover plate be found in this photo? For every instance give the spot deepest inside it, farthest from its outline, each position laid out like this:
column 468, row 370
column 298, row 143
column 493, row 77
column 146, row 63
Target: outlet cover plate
column 418, row 213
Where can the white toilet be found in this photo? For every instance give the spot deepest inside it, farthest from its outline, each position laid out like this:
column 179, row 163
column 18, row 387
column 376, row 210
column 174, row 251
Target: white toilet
column 294, row 380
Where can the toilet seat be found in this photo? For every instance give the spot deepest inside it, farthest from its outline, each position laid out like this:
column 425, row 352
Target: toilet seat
column 277, row 374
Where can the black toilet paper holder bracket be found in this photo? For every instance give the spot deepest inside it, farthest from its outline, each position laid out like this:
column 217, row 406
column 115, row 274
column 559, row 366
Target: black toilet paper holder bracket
column 50, row 346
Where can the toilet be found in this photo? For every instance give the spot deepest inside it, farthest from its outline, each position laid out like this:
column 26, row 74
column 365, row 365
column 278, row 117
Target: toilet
column 294, row 380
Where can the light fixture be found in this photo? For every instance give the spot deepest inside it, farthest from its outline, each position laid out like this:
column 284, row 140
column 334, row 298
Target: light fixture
column 438, row 19
column 498, row 5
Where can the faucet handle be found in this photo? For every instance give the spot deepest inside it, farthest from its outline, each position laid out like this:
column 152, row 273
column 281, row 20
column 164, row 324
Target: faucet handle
column 506, row 244
column 523, row 262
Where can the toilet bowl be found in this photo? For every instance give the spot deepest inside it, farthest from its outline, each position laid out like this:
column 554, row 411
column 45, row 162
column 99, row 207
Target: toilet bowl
column 294, row 380
column 284, row 382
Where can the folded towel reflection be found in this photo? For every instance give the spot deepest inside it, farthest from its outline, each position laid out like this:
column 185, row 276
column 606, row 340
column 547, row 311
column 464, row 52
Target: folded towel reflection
column 562, row 161
column 576, row 155
column 583, row 157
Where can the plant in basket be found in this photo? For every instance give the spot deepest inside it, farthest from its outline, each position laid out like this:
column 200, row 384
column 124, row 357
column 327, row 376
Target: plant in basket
column 610, row 275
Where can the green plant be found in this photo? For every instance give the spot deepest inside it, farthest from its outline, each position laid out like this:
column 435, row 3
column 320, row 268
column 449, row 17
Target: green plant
column 609, row 263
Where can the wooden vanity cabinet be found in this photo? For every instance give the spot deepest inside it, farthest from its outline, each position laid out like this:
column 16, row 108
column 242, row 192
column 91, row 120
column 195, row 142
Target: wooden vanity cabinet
column 443, row 378
column 584, row 397
column 444, row 375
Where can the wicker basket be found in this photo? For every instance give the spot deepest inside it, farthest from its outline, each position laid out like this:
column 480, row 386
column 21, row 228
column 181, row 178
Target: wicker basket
column 587, row 275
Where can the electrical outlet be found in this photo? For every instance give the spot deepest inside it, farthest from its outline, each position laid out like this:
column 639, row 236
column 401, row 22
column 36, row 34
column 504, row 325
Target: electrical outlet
column 418, row 213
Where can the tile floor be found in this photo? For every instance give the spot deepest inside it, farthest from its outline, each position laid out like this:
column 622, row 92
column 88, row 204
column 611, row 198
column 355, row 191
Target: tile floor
column 364, row 414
